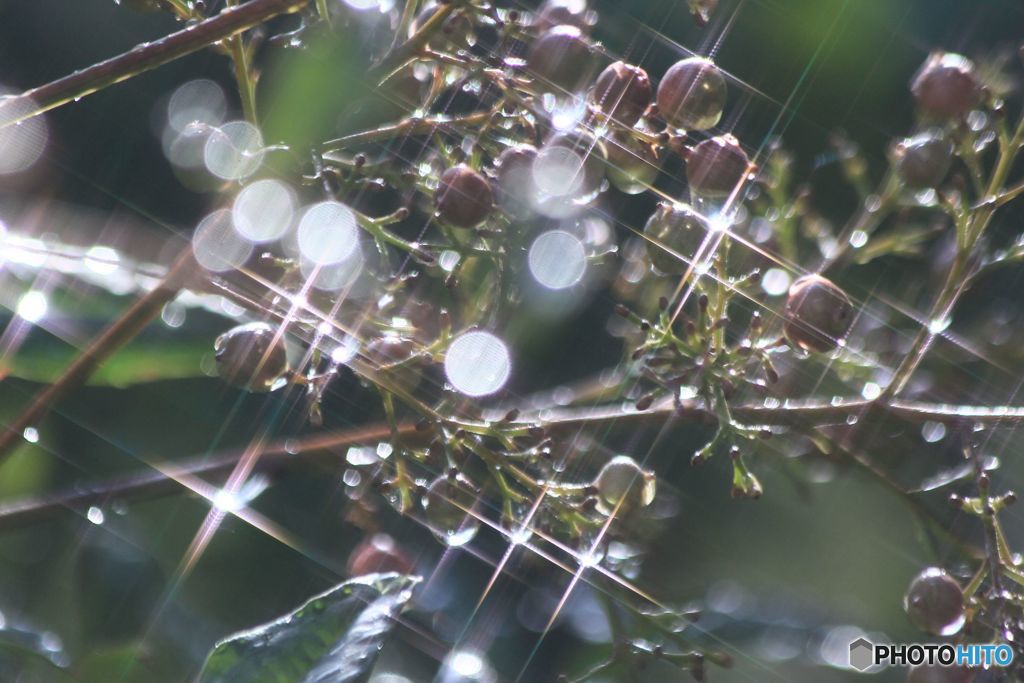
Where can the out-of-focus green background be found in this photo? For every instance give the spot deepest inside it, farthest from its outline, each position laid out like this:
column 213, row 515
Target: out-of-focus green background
column 782, row 574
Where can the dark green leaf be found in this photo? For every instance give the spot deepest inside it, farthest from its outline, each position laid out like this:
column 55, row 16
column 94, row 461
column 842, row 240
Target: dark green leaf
column 334, row 637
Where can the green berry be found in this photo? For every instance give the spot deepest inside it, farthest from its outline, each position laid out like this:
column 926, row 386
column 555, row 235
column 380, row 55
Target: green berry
column 632, row 165
column 623, row 486
column 675, row 234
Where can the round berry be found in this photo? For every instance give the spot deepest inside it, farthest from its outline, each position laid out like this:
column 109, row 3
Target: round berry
column 923, row 160
column 568, row 12
column 447, row 506
column 675, row 233
column 562, row 59
column 717, row 167
column 378, row 553
column 514, row 186
column 946, row 88
column 935, row 602
column 622, row 92
column 818, row 314
column 622, row 486
column 463, row 197
column 632, row 165
column 940, row 674
column 691, row 94
column 252, row 356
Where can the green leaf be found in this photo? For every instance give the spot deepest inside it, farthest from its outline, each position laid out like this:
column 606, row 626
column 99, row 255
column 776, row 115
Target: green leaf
column 335, row 637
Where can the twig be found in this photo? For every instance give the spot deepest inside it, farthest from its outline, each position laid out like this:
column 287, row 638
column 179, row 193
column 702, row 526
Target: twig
column 162, row 479
column 142, row 58
column 123, row 330
column 406, row 51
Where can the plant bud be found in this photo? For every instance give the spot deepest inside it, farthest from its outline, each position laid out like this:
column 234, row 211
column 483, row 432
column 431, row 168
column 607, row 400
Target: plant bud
column 691, row 94
column 717, row 166
column 923, row 160
column 252, row 357
column 463, row 197
column 946, row 87
column 623, row 485
column 818, row 314
column 676, row 233
column 622, row 92
column 378, row 553
column 632, row 165
column 940, row 674
column 935, row 602
column 561, row 59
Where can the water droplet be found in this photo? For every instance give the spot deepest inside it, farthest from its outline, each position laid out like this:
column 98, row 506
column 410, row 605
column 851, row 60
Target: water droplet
column 31, row 434
column 939, row 325
column 776, row 282
column 871, row 391
column 200, row 101
column 233, row 151
column 447, row 506
column 216, row 244
column 328, row 233
column 33, row 306
column 95, row 515
column 264, row 210
column 933, row 431
column 858, row 239
column 557, row 259
column 477, row 363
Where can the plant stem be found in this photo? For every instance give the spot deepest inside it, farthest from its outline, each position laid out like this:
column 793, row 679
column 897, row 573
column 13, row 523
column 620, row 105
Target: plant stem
column 142, row 58
column 956, row 280
column 123, row 330
column 243, row 71
column 406, row 51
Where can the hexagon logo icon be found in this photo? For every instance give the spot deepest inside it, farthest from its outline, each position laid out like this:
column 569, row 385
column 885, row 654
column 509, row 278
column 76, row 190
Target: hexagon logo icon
column 861, row 654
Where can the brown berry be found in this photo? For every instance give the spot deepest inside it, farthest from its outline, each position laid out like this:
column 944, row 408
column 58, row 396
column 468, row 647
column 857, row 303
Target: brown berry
column 561, row 58
column 252, row 356
column 935, row 602
column 378, row 553
column 818, row 314
column 923, row 160
column 717, row 167
column 622, row 92
column 691, row 94
column 463, row 197
column 946, row 87
column 675, row 233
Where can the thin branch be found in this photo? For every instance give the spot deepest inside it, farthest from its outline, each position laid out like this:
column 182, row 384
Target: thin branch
column 163, row 478
column 120, row 332
column 162, row 481
column 142, row 58
column 408, row 50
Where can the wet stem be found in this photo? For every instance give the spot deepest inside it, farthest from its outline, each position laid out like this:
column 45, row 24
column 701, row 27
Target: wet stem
column 969, row 232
